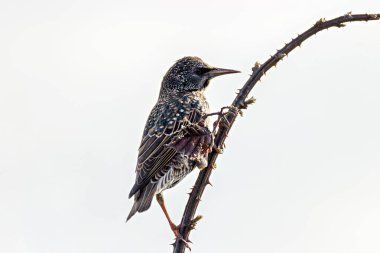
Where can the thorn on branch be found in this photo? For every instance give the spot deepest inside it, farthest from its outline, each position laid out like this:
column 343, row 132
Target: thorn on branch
column 256, row 67
column 320, row 22
column 280, row 56
column 348, row 14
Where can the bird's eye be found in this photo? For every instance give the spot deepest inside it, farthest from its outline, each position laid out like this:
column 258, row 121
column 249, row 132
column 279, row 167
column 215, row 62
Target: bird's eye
column 201, row 71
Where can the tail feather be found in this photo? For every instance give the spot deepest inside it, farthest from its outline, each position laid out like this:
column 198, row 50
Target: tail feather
column 143, row 199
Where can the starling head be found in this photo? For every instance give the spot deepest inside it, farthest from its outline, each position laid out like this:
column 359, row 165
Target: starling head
column 191, row 74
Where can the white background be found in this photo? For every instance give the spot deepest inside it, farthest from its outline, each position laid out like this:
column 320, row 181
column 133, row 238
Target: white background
column 301, row 169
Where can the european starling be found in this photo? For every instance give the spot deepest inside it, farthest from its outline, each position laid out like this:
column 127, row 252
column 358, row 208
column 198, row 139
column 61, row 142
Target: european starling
column 176, row 137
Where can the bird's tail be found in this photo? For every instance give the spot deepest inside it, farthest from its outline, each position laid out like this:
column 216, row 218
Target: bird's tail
column 143, row 199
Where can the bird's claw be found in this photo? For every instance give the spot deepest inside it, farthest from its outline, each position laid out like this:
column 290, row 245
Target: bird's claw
column 192, row 226
column 218, row 150
column 179, row 237
column 222, row 119
column 224, row 122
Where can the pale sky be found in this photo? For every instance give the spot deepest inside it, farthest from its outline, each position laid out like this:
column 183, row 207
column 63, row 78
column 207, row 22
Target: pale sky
column 301, row 170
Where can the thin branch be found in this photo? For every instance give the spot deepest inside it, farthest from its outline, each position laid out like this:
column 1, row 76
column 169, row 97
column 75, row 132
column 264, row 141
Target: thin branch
column 241, row 102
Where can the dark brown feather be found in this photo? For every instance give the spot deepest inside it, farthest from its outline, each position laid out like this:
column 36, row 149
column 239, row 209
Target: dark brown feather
column 156, row 148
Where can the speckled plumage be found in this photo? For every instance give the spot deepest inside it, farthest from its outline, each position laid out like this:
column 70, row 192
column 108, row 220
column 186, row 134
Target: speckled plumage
column 176, row 137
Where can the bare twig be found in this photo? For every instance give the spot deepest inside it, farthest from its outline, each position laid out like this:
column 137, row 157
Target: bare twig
column 241, row 102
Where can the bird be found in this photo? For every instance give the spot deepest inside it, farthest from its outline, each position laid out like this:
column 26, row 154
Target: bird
column 176, row 137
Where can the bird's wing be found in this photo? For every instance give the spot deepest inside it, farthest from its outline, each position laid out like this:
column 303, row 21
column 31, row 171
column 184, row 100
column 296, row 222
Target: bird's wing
column 163, row 139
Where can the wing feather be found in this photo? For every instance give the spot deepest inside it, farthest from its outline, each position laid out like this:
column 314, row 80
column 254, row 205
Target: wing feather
column 157, row 150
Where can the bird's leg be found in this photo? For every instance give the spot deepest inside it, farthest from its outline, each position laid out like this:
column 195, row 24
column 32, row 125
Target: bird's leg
column 217, row 113
column 223, row 121
column 161, row 202
column 220, row 120
column 174, row 227
column 221, row 115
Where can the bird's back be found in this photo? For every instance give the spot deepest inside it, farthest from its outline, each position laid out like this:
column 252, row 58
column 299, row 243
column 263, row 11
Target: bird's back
column 161, row 164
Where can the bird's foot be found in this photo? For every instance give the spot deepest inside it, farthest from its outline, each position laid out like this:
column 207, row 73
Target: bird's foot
column 178, row 235
column 222, row 119
column 218, row 150
column 201, row 163
column 220, row 113
column 192, row 226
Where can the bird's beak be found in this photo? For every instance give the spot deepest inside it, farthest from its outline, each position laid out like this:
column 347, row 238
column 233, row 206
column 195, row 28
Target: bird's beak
column 219, row 71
